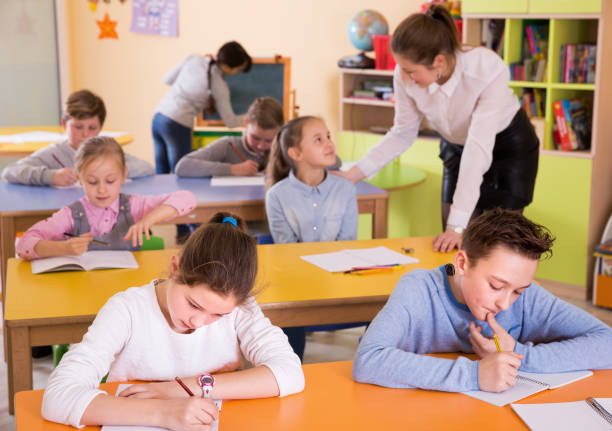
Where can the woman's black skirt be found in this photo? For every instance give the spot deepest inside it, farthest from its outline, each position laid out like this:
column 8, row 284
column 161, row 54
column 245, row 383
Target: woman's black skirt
column 510, row 180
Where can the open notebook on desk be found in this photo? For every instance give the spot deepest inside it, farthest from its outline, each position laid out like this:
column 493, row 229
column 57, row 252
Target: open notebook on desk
column 589, row 414
column 214, row 427
column 88, row 261
column 528, row 384
column 345, row 260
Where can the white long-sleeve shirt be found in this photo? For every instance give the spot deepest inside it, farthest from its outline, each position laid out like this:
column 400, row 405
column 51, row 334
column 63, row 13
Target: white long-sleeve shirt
column 131, row 337
column 469, row 109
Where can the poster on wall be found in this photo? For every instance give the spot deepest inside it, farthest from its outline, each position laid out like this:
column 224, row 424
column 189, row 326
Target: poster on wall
column 159, row 17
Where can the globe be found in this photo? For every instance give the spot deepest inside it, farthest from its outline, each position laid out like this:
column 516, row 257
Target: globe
column 365, row 24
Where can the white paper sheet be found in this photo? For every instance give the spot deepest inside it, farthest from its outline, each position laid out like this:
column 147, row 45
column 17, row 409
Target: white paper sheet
column 256, row 180
column 345, row 260
column 572, row 416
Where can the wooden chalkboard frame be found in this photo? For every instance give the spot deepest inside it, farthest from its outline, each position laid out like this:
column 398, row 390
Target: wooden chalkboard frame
column 277, row 59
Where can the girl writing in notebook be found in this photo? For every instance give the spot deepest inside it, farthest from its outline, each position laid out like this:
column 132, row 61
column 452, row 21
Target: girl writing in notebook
column 196, row 324
column 459, row 308
column 116, row 221
column 488, row 145
column 304, row 203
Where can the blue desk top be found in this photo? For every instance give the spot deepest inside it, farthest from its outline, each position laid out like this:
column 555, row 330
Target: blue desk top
column 14, row 197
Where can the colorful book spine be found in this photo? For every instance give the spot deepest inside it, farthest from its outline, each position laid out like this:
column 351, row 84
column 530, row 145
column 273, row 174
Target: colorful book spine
column 563, row 134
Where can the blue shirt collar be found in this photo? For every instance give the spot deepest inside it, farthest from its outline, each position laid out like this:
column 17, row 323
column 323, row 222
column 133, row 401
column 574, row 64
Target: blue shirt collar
column 323, row 188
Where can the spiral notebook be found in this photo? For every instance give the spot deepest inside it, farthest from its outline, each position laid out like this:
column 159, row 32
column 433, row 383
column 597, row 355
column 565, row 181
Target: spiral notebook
column 528, row 384
column 214, row 427
column 589, row 414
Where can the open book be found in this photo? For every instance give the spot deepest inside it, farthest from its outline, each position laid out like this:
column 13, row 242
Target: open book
column 528, row 384
column 345, row 260
column 214, row 427
column 589, row 414
column 88, row 261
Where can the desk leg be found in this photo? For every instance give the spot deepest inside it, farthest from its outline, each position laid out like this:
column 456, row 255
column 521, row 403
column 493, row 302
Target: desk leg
column 19, row 363
column 7, row 249
column 379, row 218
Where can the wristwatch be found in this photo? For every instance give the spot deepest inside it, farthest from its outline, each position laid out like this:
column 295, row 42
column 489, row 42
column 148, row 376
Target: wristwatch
column 206, row 382
column 456, row 229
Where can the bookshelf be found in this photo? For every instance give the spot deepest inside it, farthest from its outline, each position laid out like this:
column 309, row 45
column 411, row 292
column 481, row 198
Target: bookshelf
column 358, row 114
column 573, row 188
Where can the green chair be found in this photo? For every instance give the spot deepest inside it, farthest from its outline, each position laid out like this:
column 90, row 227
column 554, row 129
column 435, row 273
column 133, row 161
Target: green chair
column 153, row 243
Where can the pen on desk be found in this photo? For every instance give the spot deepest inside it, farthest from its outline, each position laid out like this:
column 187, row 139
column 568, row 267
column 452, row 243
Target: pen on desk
column 184, row 386
column 407, row 250
column 375, row 271
column 96, row 241
column 497, row 343
column 366, row 268
column 57, row 160
column 239, row 153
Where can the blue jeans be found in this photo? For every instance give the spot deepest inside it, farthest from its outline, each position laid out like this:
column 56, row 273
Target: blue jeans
column 171, row 141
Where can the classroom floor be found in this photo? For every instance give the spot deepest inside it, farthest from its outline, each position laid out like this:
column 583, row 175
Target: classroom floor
column 320, row 346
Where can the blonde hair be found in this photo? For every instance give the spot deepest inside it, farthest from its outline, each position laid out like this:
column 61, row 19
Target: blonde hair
column 266, row 112
column 98, row 147
column 289, row 136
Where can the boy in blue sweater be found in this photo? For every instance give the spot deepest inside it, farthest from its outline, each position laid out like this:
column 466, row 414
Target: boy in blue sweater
column 489, row 290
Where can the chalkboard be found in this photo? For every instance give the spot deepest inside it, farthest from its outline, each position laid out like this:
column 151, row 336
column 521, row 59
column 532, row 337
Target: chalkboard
column 267, row 77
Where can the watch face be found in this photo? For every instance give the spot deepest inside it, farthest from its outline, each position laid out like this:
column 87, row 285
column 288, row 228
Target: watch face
column 207, row 380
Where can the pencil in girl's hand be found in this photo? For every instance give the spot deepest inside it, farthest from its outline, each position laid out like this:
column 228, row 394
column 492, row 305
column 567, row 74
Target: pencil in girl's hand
column 96, row 241
column 238, row 152
column 184, row 386
column 57, row 160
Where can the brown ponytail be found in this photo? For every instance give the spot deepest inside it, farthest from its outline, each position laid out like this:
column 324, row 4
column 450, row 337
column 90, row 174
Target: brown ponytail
column 421, row 37
column 289, row 136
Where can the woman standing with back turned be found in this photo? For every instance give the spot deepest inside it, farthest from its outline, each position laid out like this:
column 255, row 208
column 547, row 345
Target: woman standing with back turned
column 488, row 146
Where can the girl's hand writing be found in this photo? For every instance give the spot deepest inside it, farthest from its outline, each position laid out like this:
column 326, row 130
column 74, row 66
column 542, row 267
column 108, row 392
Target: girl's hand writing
column 497, row 372
column 484, row 346
column 246, row 168
column 78, row 245
column 160, row 390
column 189, row 414
column 447, row 241
column 63, row 177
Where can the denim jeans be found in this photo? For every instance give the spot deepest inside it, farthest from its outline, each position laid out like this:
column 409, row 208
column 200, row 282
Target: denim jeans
column 171, row 141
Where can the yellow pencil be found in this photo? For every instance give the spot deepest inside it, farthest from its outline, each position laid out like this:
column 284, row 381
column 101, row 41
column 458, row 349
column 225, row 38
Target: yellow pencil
column 497, row 343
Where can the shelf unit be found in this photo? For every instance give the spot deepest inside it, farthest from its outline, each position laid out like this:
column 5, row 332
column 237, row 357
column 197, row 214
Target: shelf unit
column 569, row 21
column 356, row 114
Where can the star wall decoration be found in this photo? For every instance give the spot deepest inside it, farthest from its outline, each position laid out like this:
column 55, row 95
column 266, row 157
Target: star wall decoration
column 107, row 28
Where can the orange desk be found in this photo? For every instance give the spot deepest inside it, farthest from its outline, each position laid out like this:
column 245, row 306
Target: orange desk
column 14, row 149
column 57, row 308
column 333, row 401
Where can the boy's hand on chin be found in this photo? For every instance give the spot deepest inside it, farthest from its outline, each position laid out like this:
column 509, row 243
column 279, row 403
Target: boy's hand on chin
column 484, row 346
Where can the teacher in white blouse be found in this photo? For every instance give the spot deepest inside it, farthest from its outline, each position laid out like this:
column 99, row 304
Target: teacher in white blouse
column 488, row 145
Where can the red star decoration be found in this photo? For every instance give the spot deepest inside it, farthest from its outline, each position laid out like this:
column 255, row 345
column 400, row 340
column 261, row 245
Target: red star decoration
column 107, row 28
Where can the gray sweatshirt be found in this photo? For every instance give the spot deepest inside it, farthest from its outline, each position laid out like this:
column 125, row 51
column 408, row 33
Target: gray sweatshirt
column 190, row 92
column 217, row 158
column 37, row 168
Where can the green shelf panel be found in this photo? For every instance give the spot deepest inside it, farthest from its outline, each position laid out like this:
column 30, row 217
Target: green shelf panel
column 494, row 6
column 528, row 84
column 564, row 6
column 565, row 86
column 513, row 45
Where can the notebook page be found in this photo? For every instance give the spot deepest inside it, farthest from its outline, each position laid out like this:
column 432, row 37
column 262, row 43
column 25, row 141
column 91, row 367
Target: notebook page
column 556, row 380
column 99, row 259
column 520, row 390
column 214, row 427
column 345, row 260
column 48, row 264
column 577, row 415
column 256, row 180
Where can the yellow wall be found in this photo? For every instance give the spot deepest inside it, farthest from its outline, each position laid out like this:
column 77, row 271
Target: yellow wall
column 128, row 72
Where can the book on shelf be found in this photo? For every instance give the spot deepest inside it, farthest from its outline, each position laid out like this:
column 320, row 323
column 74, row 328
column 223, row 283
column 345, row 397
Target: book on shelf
column 532, row 66
column 577, row 63
column 375, row 90
column 533, row 101
column 573, row 125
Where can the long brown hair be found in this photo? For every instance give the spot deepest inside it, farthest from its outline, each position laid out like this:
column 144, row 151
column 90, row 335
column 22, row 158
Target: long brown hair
column 421, row 37
column 222, row 255
column 289, row 136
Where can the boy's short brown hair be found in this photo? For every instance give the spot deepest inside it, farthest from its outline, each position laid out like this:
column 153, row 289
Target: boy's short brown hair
column 84, row 104
column 266, row 112
column 506, row 228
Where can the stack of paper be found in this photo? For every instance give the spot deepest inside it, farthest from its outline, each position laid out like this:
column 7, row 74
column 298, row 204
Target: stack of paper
column 345, row 260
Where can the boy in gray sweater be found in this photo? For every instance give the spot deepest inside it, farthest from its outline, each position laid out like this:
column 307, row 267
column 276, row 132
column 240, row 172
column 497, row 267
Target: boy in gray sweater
column 84, row 115
column 239, row 156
